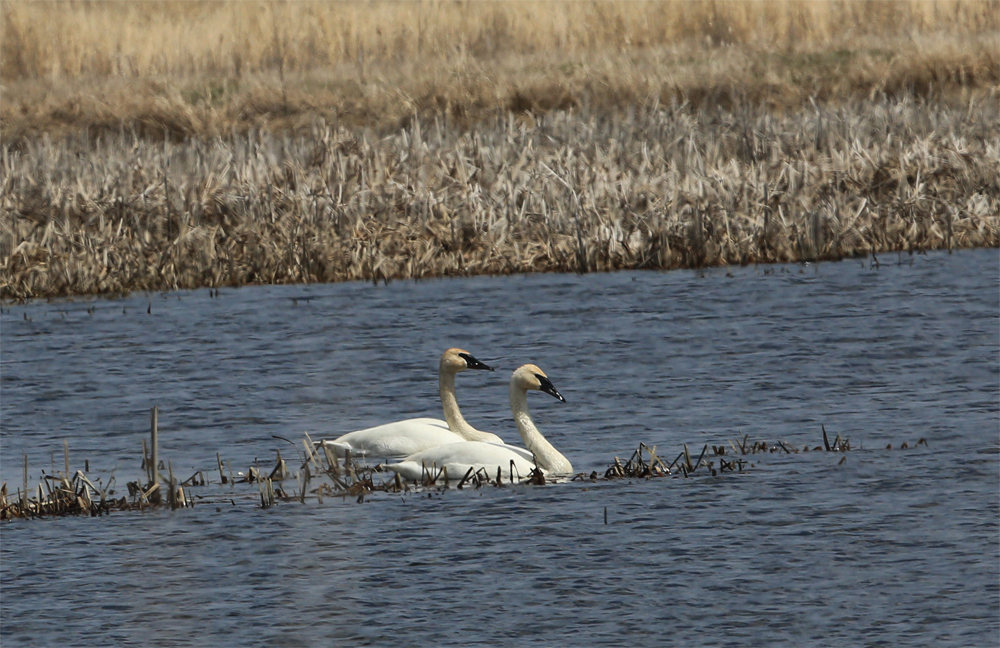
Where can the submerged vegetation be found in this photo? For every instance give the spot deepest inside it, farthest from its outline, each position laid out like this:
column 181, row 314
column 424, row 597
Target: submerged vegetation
column 156, row 146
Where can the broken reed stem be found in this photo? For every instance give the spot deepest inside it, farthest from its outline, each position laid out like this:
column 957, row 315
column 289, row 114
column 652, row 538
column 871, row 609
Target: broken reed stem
column 171, row 486
column 24, row 493
column 310, row 448
column 280, row 471
column 154, row 416
column 700, row 457
column 332, row 465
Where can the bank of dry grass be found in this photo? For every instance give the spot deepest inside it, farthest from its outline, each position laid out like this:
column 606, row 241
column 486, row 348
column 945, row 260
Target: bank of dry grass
column 158, row 145
column 184, row 69
column 658, row 187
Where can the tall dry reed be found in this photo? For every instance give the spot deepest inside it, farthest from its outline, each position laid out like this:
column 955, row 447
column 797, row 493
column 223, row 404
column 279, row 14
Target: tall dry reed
column 660, row 186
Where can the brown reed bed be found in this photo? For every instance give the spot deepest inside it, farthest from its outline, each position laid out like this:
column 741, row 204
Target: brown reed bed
column 161, row 145
column 654, row 187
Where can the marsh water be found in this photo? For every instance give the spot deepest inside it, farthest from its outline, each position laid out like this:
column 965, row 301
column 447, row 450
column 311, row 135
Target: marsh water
column 873, row 547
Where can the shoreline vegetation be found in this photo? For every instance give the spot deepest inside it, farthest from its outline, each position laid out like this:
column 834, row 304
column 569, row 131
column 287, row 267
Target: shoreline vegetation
column 156, row 146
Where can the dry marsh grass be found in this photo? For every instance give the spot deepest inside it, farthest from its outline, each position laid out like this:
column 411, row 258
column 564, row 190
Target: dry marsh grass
column 655, row 187
column 211, row 68
column 156, row 38
column 159, row 145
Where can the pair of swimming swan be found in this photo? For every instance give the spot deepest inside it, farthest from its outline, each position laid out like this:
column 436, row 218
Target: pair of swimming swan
column 427, row 444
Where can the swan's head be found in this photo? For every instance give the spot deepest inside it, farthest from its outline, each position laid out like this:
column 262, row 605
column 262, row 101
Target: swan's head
column 456, row 360
column 531, row 377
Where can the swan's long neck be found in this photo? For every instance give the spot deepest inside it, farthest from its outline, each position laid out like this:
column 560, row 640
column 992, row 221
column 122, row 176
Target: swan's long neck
column 453, row 415
column 546, row 456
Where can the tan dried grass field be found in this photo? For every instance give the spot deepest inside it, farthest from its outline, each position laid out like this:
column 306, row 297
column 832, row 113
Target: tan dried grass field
column 149, row 146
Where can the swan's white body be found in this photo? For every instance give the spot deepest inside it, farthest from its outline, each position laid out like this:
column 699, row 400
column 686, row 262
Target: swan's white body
column 403, row 438
column 395, row 439
column 514, row 463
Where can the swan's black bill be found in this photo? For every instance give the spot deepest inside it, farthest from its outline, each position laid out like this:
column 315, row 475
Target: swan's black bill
column 549, row 388
column 472, row 363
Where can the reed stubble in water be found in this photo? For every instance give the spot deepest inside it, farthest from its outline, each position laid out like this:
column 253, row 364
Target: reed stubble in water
column 60, row 495
column 656, row 186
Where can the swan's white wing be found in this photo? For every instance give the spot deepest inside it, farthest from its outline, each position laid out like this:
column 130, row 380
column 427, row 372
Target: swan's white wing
column 396, row 440
column 525, row 454
column 458, row 458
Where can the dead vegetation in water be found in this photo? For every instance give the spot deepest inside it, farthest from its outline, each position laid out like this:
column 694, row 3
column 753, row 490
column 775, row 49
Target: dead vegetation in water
column 321, row 474
column 656, row 187
column 75, row 493
column 646, row 464
column 60, row 495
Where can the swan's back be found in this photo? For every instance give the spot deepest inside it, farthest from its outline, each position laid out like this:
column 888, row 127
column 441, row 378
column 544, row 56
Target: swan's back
column 396, row 440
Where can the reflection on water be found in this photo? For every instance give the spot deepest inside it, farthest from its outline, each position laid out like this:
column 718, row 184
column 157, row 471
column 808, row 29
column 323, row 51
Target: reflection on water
column 889, row 548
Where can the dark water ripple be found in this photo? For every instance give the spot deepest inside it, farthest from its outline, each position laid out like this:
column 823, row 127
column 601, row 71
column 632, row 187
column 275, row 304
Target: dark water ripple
column 891, row 548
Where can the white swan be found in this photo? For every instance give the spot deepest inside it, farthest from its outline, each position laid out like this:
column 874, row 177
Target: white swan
column 458, row 458
column 403, row 438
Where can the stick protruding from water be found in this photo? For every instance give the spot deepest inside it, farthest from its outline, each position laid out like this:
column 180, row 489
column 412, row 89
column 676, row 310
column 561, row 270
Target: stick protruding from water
column 154, row 419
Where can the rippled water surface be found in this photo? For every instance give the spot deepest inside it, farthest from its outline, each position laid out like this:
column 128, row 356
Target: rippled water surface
column 889, row 548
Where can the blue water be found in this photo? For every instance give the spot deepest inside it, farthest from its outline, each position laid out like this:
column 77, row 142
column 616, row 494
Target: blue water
column 889, row 548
